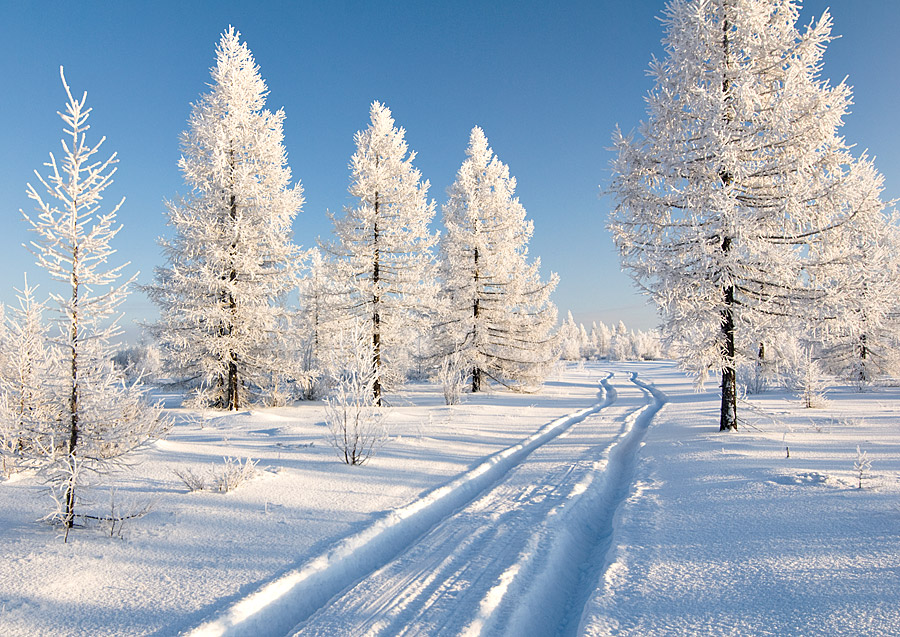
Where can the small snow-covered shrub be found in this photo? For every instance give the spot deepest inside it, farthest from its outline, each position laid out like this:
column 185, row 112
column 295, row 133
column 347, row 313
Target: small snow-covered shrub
column 355, row 423
column 191, row 480
column 234, row 473
column 861, row 466
column 452, row 376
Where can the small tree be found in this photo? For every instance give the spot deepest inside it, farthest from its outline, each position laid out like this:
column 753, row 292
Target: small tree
column 568, row 337
column 316, row 329
column 30, row 427
column 101, row 419
column 803, row 374
column 861, row 466
column 355, row 422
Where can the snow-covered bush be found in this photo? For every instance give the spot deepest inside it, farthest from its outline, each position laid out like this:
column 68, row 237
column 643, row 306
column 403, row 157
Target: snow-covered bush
column 356, row 424
column 452, row 374
column 233, row 474
column 802, row 374
column 225, row 478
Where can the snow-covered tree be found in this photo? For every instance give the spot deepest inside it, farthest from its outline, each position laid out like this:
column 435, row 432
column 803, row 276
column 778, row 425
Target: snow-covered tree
column 862, row 346
column 231, row 261
column 497, row 311
column 600, row 337
column 29, row 386
column 585, row 350
column 739, row 181
column 620, row 346
column 569, row 345
column 101, row 418
column 315, row 330
column 384, row 262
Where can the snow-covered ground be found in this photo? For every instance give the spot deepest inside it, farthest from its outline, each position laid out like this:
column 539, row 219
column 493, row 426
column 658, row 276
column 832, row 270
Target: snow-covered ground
column 606, row 504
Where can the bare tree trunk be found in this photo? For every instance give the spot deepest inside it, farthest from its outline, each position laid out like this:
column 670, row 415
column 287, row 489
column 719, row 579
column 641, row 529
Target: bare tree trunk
column 233, row 381
column 376, row 316
column 73, row 397
column 476, row 372
column 728, row 412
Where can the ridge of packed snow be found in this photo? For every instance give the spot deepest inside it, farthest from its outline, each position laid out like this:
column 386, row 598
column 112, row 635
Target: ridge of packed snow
column 295, row 595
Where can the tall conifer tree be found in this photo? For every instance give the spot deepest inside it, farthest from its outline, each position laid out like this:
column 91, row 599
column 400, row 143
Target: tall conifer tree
column 738, row 182
column 231, row 260
column 384, row 264
column 497, row 312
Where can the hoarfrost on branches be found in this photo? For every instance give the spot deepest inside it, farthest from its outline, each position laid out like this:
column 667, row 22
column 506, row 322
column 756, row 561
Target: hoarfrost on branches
column 738, row 187
column 99, row 419
column 231, row 261
column 495, row 310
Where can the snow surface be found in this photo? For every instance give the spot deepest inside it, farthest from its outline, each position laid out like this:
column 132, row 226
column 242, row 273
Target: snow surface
column 605, row 504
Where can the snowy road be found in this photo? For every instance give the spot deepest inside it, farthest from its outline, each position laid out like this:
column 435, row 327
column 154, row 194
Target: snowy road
column 516, row 544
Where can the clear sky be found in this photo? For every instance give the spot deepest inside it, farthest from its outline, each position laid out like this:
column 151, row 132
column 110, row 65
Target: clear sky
column 547, row 81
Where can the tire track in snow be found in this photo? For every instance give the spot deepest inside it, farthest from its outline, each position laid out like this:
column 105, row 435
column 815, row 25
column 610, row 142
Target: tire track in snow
column 549, row 587
column 286, row 601
column 453, row 579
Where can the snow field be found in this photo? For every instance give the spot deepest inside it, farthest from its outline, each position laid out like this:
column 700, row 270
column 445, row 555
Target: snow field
column 726, row 535
column 197, row 553
column 298, row 594
column 633, row 519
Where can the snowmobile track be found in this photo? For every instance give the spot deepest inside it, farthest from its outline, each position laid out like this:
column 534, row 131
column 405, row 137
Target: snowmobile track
column 286, row 602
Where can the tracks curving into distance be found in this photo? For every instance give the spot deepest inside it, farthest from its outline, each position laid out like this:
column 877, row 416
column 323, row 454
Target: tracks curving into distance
column 519, row 541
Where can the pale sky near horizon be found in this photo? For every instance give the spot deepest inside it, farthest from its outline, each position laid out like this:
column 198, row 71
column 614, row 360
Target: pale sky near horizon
column 548, row 82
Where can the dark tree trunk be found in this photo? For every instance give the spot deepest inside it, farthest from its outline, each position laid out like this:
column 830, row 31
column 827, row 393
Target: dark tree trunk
column 476, row 372
column 233, row 382
column 72, row 445
column 728, row 413
column 376, row 316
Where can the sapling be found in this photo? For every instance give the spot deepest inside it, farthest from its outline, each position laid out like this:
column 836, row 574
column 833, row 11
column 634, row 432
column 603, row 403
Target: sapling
column 99, row 418
column 861, row 466
column 355, row 422
column 452, row 375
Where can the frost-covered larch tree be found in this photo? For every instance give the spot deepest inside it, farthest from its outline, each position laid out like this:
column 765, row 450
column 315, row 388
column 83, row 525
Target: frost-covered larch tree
column 568, row 336
column 737, row 181
column 866, row 266
column 497, row 312
column 317, row 329
column 29, row 386
column 383, row 247
column 100, row 419
column 231, row 260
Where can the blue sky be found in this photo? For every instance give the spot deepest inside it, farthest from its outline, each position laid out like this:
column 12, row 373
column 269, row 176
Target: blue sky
column 547, row 81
